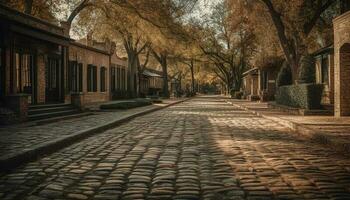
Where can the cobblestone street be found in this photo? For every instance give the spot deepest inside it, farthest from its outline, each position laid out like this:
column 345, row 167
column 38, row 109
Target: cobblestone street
column 200, row 149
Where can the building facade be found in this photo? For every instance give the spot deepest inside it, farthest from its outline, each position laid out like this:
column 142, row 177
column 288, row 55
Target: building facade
column 251, row 84
column 88, row 73
column 342, row 65
column 324, row 68
column 118, row 77
column 40, row 64
column 151, row 82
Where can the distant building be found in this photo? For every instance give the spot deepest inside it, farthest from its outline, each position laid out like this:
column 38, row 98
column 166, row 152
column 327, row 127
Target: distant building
column 259, row 83
column 151, row 82
column 324, row 68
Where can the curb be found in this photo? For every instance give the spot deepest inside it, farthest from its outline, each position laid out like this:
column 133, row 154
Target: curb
column 12, row 161
column 302, row 131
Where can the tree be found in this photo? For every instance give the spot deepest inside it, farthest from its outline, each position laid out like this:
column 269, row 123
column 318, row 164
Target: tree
column 228, row 43
column 162, row 58
column 294, row 21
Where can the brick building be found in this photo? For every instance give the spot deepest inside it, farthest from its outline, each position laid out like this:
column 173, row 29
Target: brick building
column 40, row 64
column 33, row 61
column 342, row 64
column 118, row 77
column 88, row 73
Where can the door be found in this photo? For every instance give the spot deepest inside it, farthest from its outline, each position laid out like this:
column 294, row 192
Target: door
column 52, row 89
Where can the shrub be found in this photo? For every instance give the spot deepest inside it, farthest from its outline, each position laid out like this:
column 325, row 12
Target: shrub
column 157, row 101
column 307, row 70
column 237, row 95
column 307, row 96
column 284, row 76
column 120, row 94
column 127, row 104
column 232, row 92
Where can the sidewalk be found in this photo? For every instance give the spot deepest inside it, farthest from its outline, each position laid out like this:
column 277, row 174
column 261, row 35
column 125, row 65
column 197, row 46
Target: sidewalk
column 327, row 130
column 20, row 143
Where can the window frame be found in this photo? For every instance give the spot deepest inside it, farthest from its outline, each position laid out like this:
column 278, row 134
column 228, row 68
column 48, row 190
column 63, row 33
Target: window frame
column 91, row 78
column 103, row 86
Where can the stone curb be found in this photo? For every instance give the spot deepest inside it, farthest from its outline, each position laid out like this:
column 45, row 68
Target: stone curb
column 11, row 161
column 302, row 131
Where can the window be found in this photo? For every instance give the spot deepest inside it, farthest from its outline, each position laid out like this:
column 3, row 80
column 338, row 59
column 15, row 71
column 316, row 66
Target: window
column 118, row 78
column 75, row 76
column 80, row 77
column 92, row 78
column 103, row 79
column 113, row 78
column 24, row 66
column 123, row 79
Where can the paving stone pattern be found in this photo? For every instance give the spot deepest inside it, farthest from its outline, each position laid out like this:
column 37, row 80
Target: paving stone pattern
column 200, row 149
column 18, row 138
column 335, row 129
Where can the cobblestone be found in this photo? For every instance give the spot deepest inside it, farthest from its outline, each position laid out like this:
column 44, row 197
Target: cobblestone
column 200, row 149
column 15, row 139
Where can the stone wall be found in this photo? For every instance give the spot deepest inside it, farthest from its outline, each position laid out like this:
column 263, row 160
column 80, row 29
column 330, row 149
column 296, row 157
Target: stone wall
column 342, row 65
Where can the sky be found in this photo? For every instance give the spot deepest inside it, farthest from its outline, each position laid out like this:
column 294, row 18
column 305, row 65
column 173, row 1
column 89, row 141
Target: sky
column 204, row 7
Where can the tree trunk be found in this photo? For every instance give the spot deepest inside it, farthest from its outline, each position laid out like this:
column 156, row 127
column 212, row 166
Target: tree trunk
column 132, row 67
column 193, row 90
column 294, row 69
column 164, row 65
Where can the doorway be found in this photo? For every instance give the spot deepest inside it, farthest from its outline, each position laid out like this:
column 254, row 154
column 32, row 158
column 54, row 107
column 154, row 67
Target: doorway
column 52, row 77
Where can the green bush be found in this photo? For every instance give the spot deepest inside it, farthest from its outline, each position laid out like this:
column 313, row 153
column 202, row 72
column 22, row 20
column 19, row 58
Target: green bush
column 307, row 96
column 232, row 92
column 237, row 95
column 127, row 104
column 120, row 94
column 307, row 70
column 284, row 76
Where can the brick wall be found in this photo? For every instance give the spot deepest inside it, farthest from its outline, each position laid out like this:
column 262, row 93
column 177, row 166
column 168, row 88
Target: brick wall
column 342, row 65
column 41, row 79
column 90, row 56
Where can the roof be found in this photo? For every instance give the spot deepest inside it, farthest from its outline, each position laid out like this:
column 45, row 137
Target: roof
column 78, row 44
column 251, row 71
column 28, row 21
column 270, row 63
column 325, row 50
column 147, row 72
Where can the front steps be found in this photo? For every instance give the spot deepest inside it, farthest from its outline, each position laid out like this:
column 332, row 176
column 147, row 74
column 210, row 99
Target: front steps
column 47, row 111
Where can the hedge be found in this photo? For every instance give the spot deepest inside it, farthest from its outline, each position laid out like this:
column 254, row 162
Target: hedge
column 284, row 76
column 127, row 104
column 307, row 70
column 306, row 96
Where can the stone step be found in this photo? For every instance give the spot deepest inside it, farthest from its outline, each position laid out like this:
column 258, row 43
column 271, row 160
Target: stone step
column 52, row 114
column 41, row 106
column 42, row 110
